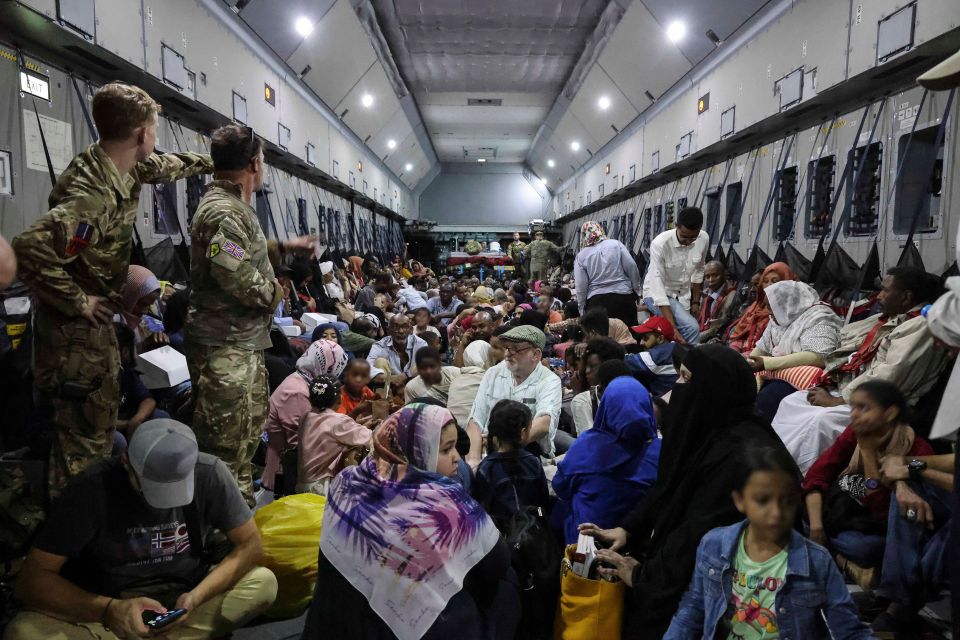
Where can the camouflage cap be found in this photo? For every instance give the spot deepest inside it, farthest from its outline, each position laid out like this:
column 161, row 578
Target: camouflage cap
column 525, row 333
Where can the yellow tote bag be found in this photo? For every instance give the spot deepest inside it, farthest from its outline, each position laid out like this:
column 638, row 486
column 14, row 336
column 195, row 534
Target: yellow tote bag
column 589, row 609
column 290, row 533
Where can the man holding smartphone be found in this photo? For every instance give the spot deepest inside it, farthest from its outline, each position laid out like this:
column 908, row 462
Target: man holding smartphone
column 124, row 545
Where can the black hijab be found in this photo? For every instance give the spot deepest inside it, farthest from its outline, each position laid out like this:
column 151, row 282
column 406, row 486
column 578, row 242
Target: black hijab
column 709, row 423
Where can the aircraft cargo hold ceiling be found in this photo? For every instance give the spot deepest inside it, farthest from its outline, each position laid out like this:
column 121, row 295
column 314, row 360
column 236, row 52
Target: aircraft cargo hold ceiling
column 544, row 82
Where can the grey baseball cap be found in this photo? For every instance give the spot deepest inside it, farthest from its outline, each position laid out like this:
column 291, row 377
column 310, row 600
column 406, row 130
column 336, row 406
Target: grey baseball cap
column 163, row 454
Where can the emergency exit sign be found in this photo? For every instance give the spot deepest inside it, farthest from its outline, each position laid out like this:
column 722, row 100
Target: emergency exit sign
column 703, row 103
column 269, row 95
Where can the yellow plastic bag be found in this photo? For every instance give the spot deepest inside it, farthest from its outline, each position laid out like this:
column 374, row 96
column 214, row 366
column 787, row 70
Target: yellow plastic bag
column 589, row 609
column 290, row 531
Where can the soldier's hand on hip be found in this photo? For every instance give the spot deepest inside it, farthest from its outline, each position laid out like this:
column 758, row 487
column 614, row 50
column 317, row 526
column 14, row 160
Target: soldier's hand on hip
column 96, row 311
column 301, row 243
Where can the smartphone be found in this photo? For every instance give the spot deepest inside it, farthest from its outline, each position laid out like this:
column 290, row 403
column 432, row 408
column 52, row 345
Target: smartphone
column 156, row 620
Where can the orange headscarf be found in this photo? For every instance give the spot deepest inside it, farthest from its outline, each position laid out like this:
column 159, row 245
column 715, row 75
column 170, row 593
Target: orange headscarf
column 356, row 265
column 750, row 326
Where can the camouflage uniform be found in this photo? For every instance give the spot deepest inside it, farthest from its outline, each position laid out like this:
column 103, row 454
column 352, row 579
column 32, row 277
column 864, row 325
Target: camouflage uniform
column 81, row 247
column 232, row 302
column 541, row 255
column 516, row 254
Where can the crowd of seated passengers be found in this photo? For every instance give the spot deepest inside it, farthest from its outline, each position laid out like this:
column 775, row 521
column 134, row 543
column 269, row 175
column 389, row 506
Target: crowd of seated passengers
column 680, row 436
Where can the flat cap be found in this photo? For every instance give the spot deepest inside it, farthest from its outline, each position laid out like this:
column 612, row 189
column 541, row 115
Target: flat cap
column 525, row 333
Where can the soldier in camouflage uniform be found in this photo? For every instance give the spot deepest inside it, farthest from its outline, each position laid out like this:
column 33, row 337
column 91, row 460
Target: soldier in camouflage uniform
column 541, row 255
column 75, row 258
column 515, row 250
column 234, row 295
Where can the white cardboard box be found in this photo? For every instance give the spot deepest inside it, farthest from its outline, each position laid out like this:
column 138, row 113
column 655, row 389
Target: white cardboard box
column 291, row 331
column 162, row 368
column 311, row 320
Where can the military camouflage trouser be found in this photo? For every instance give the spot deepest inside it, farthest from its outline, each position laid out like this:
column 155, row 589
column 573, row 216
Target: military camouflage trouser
column 230, row 406
column 77, row 373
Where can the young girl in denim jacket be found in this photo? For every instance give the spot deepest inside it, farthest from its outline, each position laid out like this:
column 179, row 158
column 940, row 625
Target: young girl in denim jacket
column 760, row 579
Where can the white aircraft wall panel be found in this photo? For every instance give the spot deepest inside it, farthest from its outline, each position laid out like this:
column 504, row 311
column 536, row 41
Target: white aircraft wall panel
column 396, row 128
column 367, row 121
column 933, row 18
column 568, row 130
column 639, row 58
column 306, row 126
column 120, row 29
column 338, row 51
column 599, row 123
column 46, row 7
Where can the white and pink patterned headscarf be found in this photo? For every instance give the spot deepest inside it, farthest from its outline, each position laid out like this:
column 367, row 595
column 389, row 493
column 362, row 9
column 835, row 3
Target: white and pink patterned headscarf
column 322, row 357
column 405, row 541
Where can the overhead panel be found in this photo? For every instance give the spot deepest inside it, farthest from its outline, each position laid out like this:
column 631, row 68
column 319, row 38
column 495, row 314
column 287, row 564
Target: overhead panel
column 568, row 131
column 274, row 21
column 368, row 120
column 602, row 123
column 338, row 53
column 396, row 128
column 120, row 29
column 875, row 24
column 639, row 58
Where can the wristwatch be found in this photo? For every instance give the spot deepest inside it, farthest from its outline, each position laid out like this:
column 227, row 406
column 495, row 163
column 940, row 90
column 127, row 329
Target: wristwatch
column 872, row 484
column 915, row 468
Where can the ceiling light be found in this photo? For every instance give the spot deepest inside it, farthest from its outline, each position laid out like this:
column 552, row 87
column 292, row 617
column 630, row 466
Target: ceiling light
column 603, row 103
column 304, row 26
column 676, row 30
column 481, row 160
column 391, row 144
column 551, row 164
column 408, row 167
column 575, row 145
column 367, row 100
column 543, row 181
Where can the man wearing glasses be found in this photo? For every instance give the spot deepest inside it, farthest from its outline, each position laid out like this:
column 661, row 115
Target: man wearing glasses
column 234, row 295
column 523, row 378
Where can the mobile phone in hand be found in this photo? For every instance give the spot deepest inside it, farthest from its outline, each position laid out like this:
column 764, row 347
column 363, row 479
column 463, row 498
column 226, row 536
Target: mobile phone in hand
column 156, row 620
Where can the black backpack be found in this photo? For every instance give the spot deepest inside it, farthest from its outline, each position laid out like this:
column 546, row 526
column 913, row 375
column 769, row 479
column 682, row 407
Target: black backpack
column 535, row 557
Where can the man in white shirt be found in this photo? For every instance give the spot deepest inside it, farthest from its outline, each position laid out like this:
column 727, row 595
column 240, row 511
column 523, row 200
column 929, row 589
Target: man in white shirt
column 675, row 274
column 411, row 298
column 523, row 378
column 393, row 359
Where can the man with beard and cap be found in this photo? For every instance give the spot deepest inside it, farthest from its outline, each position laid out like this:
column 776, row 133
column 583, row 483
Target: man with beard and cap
column 125, row 542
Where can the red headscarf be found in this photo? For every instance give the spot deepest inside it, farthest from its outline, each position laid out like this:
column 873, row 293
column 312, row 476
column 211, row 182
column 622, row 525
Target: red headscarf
column 749, row 327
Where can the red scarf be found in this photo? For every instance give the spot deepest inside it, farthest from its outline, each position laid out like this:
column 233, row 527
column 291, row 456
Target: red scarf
column 867, row 351
column 709, row 306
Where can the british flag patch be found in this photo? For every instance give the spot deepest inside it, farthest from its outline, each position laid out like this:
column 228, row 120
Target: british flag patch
column 81, row 238
column 233, row 249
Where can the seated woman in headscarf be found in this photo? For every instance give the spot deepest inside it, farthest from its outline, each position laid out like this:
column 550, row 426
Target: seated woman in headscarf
column 708, row 425
column 801, row 332
column 291, row 401
column 610, row 467
column 326, row 437
column 405, row 552
column 138, row 294
column 745, row 332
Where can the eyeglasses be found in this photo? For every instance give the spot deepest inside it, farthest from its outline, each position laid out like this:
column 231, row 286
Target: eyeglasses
column 511, row 351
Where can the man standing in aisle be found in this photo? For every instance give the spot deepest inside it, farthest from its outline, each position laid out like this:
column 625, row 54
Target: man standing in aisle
column 515, row 250
column 675, row 274
column 232, row 302
column 541, row 254
column 75, row 258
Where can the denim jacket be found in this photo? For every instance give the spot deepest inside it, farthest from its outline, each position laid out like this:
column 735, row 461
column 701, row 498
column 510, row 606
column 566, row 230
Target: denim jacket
column 813, row 584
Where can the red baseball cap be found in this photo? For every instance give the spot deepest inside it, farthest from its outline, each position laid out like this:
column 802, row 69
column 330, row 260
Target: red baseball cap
column 656, row 323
